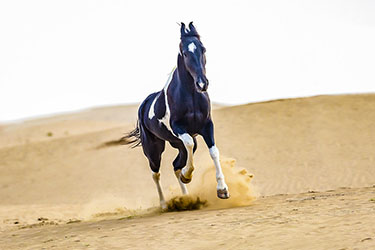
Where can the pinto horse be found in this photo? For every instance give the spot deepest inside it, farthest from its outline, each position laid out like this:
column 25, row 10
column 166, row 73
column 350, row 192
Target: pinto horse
column 177, row 114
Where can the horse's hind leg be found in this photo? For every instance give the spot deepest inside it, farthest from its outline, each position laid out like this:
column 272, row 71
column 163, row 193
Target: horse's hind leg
column 156, row 178
column 153, row 148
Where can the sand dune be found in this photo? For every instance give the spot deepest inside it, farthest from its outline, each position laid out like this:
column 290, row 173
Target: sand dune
column 298, row 145
column 56, row 170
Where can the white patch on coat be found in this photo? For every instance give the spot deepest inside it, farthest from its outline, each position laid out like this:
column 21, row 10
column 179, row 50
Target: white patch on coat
column 192, row 47
column 201, row 84
column 167, row 116
column 151, row 112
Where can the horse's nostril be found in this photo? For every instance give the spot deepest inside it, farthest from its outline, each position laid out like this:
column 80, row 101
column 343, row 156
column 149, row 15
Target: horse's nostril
column 201, row 85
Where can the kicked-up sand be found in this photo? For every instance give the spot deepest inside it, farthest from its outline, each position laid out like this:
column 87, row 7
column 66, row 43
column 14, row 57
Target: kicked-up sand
column 300, row 172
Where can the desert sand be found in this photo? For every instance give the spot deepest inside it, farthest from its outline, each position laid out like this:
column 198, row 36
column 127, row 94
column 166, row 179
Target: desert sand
column 300, row 171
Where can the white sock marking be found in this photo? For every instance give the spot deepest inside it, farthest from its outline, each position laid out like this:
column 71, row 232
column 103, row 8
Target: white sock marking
column 189, row 144
column 215, row 155
column 184, row 189
column 156, row 178
column 187, row 140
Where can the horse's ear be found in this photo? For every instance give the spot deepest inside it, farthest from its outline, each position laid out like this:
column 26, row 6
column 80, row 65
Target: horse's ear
column 193, row 31
column 192, row 28
column 183, row 30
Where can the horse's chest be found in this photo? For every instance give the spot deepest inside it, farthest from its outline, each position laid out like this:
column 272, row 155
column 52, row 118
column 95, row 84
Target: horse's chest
column 194, row 116
column 194, row 111
column 193, row 119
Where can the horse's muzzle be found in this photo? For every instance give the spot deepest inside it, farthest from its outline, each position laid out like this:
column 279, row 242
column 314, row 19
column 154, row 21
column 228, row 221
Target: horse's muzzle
column 202, row 86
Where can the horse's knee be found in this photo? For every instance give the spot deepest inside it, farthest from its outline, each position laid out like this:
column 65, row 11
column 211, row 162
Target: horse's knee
column 187, row 140
column 214, row 152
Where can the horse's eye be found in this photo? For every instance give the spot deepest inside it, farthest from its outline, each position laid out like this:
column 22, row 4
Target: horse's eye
column 184, row 54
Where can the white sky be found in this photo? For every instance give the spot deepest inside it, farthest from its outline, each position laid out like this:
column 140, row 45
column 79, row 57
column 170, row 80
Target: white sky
column 58, row 56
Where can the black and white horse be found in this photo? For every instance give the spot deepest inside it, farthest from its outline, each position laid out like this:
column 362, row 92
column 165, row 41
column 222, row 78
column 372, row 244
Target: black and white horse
column 177, row 114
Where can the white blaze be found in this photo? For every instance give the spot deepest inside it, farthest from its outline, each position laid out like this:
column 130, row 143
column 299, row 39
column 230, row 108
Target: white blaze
column 192, row 47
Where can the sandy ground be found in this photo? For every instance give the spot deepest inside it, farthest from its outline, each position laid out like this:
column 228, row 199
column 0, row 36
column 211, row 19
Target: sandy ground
column 340, row 219
column 312, row 161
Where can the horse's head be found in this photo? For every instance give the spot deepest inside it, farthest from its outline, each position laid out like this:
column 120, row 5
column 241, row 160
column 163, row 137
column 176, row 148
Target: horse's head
column 193, row 56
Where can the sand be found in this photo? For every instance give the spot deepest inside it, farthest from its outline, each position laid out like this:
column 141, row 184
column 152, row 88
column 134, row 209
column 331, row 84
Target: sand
column 340, row 219
column 311, row 160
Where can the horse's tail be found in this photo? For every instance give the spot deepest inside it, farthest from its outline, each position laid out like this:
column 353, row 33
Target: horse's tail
column 132, row 138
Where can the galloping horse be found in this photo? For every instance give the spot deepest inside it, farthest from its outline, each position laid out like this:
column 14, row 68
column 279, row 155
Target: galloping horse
column 177, row 114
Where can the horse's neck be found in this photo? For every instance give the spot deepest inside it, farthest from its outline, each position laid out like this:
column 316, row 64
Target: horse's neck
column 182, row 90
column 183, row 80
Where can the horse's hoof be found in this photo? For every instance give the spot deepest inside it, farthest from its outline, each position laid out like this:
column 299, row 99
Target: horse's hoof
column 184, row 180
column 223, row 193
column 163, row 206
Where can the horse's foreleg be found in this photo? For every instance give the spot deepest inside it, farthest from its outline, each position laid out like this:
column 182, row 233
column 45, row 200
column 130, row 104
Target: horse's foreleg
column 208, row 135
column 222, row 188
column 187, row 171
column 156, row 178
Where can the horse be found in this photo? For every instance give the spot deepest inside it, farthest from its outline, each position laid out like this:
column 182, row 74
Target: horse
column 177, row 114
